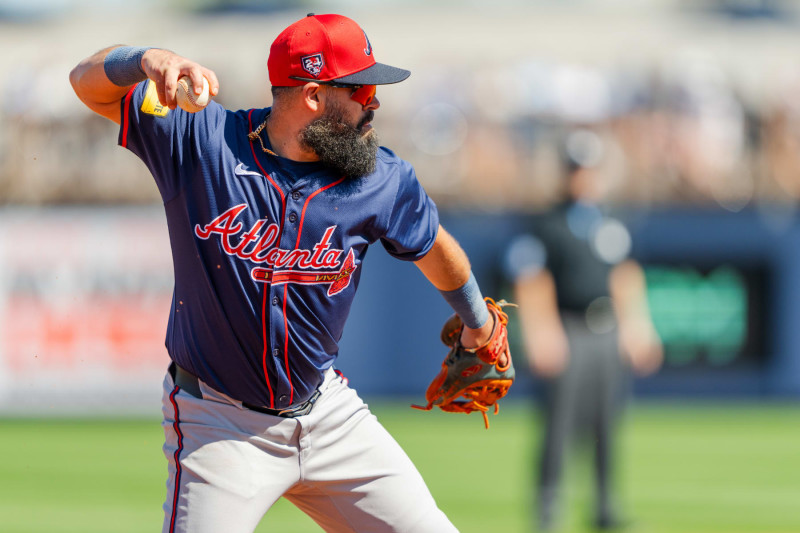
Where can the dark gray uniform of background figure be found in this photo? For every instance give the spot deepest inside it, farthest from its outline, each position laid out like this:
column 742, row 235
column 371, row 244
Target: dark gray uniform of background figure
column 586, row 399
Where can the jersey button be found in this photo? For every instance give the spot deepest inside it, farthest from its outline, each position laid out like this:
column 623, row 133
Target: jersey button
column 274, row 300
column 276, row 352
column 282, row 398
column 292, row 217
column 295, row 196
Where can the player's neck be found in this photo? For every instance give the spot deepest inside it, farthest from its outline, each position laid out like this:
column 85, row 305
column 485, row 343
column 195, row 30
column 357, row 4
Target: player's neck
column 284, row 137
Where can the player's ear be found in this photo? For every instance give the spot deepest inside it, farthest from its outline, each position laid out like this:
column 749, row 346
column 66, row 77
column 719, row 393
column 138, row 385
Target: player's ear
column 312, row 96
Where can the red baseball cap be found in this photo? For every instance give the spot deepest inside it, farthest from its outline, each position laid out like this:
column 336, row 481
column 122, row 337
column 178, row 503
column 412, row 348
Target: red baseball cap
column 328, row 48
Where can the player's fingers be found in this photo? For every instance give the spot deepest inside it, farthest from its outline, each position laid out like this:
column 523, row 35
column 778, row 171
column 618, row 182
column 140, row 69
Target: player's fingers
column 196, row 75
column 162, row 94
column 170, row 87
column 213, row 82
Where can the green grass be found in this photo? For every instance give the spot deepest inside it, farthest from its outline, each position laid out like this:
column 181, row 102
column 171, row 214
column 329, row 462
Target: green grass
column 688, row 469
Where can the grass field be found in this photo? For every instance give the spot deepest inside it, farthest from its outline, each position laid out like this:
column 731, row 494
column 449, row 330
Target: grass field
column 727, row 468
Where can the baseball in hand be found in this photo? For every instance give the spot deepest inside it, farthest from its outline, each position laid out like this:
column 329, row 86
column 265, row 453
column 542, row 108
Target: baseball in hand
column 187, row 99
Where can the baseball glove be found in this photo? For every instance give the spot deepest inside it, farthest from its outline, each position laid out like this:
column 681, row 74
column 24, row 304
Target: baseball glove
column 473, row 374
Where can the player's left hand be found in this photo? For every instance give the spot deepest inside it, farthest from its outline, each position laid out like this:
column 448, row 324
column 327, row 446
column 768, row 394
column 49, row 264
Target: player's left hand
column 479, row 375
column 473, row 338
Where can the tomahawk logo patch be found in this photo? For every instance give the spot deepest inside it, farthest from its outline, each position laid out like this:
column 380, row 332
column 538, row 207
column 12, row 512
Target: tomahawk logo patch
column 313, row 64
column 368, row 49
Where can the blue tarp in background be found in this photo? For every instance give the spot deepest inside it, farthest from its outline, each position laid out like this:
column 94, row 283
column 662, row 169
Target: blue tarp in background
column 391, row 344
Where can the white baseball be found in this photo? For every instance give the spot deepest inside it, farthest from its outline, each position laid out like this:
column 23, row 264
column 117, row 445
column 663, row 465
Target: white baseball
column 187, row 99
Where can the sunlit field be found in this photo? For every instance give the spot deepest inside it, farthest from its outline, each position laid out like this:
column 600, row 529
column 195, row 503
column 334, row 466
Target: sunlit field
column 685, row 468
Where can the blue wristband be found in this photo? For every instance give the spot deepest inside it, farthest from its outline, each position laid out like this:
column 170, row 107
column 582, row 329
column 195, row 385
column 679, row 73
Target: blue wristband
column 123, row 65
column 468, row 303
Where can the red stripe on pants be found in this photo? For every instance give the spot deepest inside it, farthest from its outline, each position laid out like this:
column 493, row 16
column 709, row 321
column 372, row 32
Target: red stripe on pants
column 177, row 456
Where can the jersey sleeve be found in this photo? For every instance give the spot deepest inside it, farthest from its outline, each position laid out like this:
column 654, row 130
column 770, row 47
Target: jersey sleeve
column 414, row 221
column 167, row 141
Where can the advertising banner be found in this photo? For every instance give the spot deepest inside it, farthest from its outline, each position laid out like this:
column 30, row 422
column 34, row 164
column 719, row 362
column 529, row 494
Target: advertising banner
column 84, row 302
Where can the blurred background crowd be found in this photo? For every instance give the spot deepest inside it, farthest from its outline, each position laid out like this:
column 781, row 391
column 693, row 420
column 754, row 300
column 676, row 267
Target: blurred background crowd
column 696, row 101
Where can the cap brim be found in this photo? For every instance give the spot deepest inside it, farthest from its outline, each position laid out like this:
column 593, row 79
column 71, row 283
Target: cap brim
column 377, row 74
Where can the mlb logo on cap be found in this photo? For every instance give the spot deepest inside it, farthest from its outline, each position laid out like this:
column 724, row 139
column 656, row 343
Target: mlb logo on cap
column 327, row 48
column 313, row 64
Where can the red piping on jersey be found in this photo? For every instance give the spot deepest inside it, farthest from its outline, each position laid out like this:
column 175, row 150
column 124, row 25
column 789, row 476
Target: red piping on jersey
column 264, row 353
column 177, row 488
column 286, row 342
column 341, row 376
column 303, row 214
column 264, row 302
column 286, row 288
column 126, row 116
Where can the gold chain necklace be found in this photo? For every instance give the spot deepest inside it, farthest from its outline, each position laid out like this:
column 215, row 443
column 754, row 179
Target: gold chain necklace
column 253, row 135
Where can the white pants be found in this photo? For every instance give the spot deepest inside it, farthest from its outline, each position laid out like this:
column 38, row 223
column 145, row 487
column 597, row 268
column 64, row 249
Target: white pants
column 228, row 465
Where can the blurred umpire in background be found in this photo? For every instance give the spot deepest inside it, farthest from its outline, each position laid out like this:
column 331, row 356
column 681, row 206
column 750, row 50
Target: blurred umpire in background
column 585, row 321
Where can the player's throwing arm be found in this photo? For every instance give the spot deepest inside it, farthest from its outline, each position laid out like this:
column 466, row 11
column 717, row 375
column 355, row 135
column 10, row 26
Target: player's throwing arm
column 103, row 79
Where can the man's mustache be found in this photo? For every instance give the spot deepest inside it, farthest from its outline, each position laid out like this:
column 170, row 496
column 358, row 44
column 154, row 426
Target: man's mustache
column 367, row 118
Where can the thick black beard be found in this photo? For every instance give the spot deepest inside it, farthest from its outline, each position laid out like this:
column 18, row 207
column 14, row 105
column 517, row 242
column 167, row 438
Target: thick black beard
column 340, row 146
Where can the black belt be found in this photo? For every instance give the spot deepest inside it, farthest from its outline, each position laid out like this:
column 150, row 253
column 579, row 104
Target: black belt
column 189, row 383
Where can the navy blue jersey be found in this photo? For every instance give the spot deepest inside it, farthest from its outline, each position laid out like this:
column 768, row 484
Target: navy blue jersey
column 267, row 252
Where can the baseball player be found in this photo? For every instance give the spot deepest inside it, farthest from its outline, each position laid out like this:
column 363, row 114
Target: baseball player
column 270, row 213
